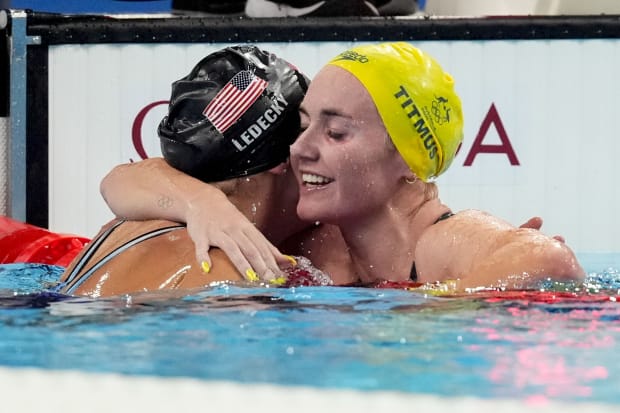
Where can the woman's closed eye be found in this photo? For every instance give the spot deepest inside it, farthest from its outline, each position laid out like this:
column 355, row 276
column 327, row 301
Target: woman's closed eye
column 336, row 135
column 331, row 133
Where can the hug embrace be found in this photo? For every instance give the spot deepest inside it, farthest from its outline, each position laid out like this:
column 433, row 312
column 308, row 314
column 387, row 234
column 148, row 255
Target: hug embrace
column 261, row 166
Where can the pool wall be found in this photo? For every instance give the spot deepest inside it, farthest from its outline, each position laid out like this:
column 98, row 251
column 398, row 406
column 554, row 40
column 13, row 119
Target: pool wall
column 67, row 391
column 539, row 96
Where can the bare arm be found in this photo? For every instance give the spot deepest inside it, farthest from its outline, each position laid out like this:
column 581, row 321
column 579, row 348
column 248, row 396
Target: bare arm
column 152, row 189
column 523, row 259
column 481, row 250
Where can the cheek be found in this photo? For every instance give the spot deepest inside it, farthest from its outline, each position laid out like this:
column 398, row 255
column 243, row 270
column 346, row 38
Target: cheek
column 347, row 164
column 374, row 180
column 357, row 179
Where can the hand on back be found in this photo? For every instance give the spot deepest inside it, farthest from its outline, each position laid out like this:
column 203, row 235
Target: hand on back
column 536, row 223
column 216, row 222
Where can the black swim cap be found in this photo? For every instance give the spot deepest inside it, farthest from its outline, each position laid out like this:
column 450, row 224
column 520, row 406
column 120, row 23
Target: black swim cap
column 235, row 114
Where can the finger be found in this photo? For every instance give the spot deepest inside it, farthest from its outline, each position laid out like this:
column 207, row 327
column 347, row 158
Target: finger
column 258, row 251
column 203, row 257
column 283, row 260
column 259, row 256
column 238, row 258
column 277, row 278
column 269, row 255
column 532, row 223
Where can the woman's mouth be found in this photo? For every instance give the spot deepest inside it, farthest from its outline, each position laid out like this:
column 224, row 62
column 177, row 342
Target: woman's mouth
column 309, row 179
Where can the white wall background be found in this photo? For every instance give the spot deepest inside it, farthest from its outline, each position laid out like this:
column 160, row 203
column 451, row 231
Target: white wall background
column 557, row 99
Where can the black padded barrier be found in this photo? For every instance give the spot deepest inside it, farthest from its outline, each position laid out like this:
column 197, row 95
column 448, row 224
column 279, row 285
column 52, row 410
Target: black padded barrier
column 37, row 197
column 4, row 73
column 62, row 29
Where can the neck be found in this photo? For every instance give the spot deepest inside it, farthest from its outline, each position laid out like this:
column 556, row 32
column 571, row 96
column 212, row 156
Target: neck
column 269, row 202
column 382, row 244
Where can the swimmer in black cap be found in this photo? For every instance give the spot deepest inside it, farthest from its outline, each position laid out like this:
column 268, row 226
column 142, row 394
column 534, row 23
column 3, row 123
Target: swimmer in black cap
column 230, row 122
column 235, row 114
column 258, row 204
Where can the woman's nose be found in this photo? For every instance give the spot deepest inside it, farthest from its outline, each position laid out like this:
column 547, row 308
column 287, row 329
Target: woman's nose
column 303, row 146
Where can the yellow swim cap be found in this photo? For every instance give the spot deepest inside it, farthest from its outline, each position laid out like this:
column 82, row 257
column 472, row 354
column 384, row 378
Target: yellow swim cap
column 416, row 100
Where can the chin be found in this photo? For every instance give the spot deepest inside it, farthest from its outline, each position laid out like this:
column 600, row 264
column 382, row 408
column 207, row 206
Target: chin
column 307, row 213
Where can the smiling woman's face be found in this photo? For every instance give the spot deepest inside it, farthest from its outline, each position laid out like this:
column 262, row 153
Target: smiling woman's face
column 342, row 160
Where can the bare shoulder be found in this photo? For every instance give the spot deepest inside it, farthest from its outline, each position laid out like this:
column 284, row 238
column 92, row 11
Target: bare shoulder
column 483, row 249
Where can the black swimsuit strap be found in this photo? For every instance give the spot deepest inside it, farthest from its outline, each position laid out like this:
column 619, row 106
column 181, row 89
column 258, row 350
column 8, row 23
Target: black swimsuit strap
column 444, row 216
column 91, row 249
column 75, row 279
column 413, row 274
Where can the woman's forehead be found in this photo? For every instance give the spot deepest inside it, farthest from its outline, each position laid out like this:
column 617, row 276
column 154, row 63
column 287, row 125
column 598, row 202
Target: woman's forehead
column 336, row 79
column 334, row 88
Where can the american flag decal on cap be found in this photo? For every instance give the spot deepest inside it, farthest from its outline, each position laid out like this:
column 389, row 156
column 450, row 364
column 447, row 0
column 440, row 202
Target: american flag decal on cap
column 234, row 99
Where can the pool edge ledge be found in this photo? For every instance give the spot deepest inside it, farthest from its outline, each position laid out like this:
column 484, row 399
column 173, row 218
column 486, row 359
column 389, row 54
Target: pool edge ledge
column 30, row 389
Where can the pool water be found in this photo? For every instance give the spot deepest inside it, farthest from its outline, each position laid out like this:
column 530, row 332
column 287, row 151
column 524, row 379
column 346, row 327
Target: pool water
column 561, row 344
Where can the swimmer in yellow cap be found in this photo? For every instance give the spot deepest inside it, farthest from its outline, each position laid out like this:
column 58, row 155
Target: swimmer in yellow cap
column 226, row 219
column 380, row 122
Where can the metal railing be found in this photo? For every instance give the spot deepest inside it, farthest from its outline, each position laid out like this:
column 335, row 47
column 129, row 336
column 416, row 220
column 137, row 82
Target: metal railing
column 14, row 144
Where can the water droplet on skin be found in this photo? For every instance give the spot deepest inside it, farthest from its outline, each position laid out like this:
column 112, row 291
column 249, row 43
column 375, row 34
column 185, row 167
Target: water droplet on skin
column 317, row 223
column 253, row 208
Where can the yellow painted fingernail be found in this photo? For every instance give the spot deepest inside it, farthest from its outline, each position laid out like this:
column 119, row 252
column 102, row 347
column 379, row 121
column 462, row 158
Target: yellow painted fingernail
column 205, row 266
column 279, row 281
column 251, row 275
column 292, row 260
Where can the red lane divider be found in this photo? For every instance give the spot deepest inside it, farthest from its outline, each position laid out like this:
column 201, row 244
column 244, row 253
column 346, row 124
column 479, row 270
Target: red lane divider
column 24, row 243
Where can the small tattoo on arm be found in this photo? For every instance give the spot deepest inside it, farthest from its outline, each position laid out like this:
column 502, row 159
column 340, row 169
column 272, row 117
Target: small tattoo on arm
column 165, row 202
